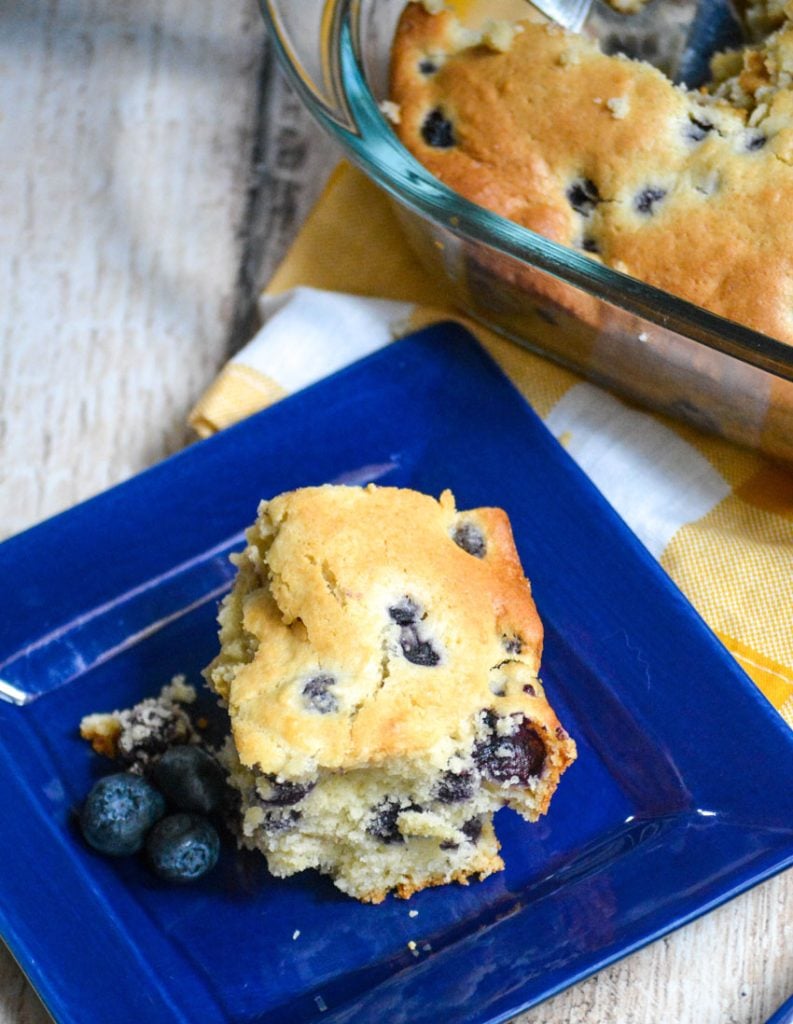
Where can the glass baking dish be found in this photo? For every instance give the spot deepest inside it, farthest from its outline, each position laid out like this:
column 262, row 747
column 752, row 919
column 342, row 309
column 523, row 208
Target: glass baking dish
column 642, row 342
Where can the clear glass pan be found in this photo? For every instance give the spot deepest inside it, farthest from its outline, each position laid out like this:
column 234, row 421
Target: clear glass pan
column 653, row 347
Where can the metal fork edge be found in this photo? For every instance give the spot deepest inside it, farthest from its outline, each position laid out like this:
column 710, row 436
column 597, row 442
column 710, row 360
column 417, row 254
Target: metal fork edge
column 570, row 14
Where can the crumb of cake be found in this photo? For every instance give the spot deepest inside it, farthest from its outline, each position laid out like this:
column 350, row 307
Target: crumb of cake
column 102, row 732
column 413, row 913
column 136, row 736
column 568, row 58
column 295, row 934
column 379, row 657
column 619, row 106
column 498, row 34
column 178, row 691
column 463, row 38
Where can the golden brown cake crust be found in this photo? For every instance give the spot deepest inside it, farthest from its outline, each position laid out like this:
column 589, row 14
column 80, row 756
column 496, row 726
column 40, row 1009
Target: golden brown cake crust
column 689, row 192
column 334, row 561
column 481, row 868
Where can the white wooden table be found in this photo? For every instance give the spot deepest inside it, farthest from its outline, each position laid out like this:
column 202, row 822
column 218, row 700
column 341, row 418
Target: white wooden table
column 153, row 168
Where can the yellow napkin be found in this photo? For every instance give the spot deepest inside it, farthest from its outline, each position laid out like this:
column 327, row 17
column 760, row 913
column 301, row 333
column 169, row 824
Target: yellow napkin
column 718, row 518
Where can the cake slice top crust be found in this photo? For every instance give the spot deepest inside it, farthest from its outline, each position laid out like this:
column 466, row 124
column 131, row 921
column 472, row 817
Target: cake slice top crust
column 683, row 189
column 372, row 624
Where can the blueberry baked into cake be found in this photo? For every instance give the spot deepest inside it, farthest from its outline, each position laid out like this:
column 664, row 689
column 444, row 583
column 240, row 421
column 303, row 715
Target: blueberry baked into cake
column 379, row 658
column 688, row 190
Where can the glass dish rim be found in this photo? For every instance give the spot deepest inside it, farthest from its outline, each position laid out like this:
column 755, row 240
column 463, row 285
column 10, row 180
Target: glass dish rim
column 362, row 130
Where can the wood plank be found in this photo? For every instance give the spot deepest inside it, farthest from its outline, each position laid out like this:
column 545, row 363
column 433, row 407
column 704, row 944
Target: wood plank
column 732, row 966
column 126, row 152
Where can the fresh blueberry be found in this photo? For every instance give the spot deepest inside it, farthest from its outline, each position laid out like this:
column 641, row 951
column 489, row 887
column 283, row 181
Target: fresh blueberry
column 583, row 196
column 437, row 130
column 118, row 812
column 647, row 199
column 183, row 847
column 471, row 539
column 317, row 695
column 455, row 787
column 512, row 759
column 191, row 779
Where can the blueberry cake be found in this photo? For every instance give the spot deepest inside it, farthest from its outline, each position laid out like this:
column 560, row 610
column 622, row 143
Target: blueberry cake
column 689, row 191
column 379, row 658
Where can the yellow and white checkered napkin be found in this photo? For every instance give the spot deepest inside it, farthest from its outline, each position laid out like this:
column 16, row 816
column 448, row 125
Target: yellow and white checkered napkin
column 718, row 518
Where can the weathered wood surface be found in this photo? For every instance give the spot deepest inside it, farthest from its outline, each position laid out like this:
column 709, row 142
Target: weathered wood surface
column 154, row 168
column 136, row 142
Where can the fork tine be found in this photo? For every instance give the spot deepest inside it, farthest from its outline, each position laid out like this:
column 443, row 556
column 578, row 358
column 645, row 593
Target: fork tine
column 570, row 14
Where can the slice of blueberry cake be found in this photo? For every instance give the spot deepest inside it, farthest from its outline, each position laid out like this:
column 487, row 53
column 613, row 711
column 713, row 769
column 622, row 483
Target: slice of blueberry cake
column 379, row 658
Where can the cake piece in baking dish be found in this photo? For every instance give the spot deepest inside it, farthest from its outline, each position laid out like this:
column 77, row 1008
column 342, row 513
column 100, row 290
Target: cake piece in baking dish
column 379, row 658
column 684, row 189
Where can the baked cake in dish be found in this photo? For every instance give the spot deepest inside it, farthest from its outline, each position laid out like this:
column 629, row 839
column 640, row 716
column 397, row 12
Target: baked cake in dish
column 379, row 658
column 689, row 191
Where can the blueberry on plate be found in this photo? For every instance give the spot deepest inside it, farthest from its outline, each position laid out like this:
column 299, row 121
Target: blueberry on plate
column 182, row 847
column 118, row 812
column 191, row 779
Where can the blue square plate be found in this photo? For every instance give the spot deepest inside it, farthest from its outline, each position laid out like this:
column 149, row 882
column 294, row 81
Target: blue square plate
column 675, row 804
